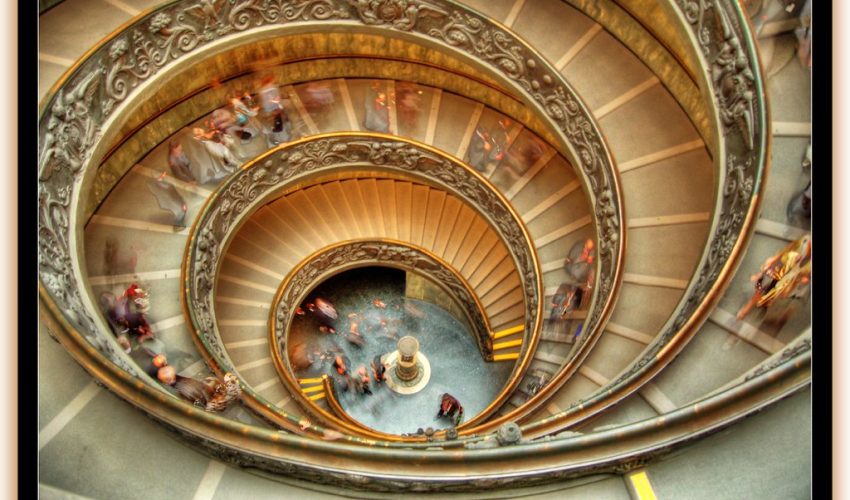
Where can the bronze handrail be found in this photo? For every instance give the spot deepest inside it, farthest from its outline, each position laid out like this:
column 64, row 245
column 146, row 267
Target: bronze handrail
column 269, row 174
column 119, row 67
column 288, row 296
column 330, row 460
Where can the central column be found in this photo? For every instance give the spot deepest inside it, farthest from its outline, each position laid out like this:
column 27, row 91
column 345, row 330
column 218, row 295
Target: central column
column 407, row 369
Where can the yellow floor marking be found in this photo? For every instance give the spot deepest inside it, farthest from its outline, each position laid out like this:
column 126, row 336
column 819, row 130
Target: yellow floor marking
column 578, row 46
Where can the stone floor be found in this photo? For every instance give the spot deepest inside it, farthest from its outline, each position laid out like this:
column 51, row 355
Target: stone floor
column 456, row 364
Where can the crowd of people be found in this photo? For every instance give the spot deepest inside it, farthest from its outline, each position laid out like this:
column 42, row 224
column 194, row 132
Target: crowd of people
column 573, row 294
column 360, row 325
column 127, row 315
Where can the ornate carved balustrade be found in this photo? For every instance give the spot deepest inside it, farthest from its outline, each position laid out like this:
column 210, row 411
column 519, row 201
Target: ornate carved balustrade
column 87, row 107
column 90, row 100
column 738, row 101
column 270, row 174
column 348, row 255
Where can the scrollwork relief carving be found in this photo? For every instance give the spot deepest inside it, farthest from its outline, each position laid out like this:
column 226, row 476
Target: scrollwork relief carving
column 287, row 165
column 787, row 355
column 733, row 78
column 70, row 128
column 400, row 14
column 377, row 252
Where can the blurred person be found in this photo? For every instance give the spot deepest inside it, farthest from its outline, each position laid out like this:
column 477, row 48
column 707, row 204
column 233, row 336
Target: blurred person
column 169, row 199
column 180, row 165
column 223, row 160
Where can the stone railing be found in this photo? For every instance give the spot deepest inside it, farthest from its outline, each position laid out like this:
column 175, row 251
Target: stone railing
column 446, row 466
column 90, row 100
column 350, row 254
column 270, row 175
column 721, row 31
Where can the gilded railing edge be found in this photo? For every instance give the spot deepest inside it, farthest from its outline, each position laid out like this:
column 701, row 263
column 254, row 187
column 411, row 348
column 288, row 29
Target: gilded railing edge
column 478, row 469
column 309, row 156
column 672, row 69
column 70, row 125
column 49, row 299
column 460, row 291
column 280, row 320
column 158, row 121
column 739, row 201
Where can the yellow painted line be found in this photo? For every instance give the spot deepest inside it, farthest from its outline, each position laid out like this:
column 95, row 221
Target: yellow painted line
column 432, row 116
column 128, row 278
column 123, row 6
column 642, row 487
column 138, row 224
column 509, row 331
column 316, row 397
column 314, row 380
column 530, row 174
column 245, row 283
column 470, row 129
column 563, row 231
column 347, row 104
column 578, row 46
column 646, row 280
column 506, row 357
column 505, row 345
column 315, row 388
column 185, row 186
column 661, row 155
column 626, row 97
column 512, row 15
column 668, row 220
column 61, row 61
column 551, row 200
column 302, row 111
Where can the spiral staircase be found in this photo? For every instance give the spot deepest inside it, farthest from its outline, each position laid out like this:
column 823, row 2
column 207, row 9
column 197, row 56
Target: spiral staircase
column 643, row 127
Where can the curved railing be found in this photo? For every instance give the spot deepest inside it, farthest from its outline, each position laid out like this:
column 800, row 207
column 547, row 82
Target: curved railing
column 272, row 173
column 99, row 89
column 351, row 254
column 89, row 101
column 444, row 467
column 343, row 256
column 722, row 33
